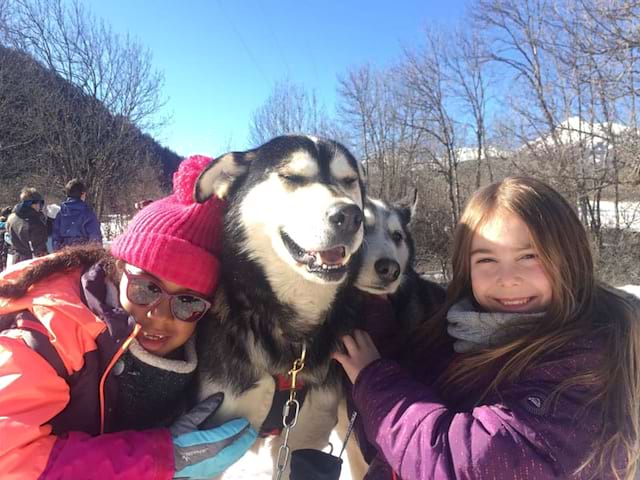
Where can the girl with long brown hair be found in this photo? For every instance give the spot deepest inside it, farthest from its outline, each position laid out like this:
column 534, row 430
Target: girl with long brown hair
column 542, row 371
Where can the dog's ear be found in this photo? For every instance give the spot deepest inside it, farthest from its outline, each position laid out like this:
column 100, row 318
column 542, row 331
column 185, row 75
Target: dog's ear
column 221, row 173
column 407, row 206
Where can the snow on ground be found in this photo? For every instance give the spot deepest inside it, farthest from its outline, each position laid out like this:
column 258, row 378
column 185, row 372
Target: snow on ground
column 635, row 289
column 112, row 226
column 629, row 215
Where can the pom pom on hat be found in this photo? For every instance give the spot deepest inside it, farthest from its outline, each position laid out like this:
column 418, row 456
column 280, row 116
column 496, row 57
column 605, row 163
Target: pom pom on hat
column 184, row 179
column 175, row 238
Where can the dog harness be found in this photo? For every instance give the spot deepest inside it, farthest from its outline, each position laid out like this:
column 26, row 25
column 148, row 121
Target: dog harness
column 272, row 425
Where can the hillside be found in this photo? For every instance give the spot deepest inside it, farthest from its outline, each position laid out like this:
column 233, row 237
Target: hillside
column 52, row 130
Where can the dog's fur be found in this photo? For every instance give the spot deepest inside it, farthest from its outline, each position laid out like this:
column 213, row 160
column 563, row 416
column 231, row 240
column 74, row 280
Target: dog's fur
column 282, row 200
column 388, row 255
column 388, row 248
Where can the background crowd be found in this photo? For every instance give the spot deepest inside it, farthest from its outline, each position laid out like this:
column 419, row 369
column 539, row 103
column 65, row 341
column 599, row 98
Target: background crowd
column 32, row 229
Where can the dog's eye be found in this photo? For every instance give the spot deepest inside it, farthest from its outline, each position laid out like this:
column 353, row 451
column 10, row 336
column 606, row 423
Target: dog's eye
column 294, row 179
column 397, row 236
column 349, row 181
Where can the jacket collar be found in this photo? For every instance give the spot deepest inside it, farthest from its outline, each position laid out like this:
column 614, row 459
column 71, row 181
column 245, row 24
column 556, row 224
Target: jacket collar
column 101, row 297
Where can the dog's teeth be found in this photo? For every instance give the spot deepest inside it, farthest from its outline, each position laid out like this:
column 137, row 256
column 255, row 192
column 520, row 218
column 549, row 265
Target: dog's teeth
column 307, row 258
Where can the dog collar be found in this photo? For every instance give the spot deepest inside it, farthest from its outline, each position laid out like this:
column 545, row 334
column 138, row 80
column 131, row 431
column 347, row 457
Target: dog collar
column 272, row 425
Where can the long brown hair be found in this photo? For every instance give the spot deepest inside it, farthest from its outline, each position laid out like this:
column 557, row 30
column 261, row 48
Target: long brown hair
column 70, row 258
column 580, row 307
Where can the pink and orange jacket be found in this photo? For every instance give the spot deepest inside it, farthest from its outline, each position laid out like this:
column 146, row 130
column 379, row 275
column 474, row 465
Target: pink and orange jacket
column 57, row 393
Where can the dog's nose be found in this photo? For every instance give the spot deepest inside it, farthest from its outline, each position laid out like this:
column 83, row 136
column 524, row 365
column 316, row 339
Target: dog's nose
column 345, row 217
column 387, row 269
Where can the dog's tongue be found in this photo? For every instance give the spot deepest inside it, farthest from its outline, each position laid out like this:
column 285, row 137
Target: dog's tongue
column 333, row 256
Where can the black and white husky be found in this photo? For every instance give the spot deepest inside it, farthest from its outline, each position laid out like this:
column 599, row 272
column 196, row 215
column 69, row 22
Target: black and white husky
column 388, row 248
column 387, row 268
column 388, row 256
column 292, row 232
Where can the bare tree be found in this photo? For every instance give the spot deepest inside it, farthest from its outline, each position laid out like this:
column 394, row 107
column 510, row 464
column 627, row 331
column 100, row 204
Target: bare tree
column 102, row 88
column 537, row 46
column 20, row 85
column 519, row 43
column 288, row 109
column 614, row 35
column 467, row 65
column 427, row 92
column 378, row 125
column 117, row 71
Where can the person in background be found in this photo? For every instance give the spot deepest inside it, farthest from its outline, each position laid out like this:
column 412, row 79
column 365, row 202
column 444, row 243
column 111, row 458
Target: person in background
column 27, row 226
column 4, row 246
column 98, row 357
column 51, row 210
column 76, row 222
column 541, row 370
column 142, row 203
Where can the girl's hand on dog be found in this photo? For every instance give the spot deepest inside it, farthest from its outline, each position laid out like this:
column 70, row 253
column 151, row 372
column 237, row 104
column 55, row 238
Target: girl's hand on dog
column 361, row 351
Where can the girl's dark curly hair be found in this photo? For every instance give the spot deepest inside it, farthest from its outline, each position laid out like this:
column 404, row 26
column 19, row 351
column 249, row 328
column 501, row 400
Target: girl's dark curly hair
column 70, row 258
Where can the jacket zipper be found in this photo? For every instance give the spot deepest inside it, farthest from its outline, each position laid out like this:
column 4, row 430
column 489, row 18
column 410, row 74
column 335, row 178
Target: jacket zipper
column 118, row 354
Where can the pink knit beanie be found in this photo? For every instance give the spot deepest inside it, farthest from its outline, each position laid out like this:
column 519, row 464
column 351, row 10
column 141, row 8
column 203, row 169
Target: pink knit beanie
column 175, row 238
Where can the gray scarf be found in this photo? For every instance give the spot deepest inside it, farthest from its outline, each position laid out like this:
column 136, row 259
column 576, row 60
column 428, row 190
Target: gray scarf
column 475, row 330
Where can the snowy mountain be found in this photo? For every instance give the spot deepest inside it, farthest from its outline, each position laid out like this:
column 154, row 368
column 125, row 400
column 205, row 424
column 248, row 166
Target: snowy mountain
column 466, row 154
column 574, row 130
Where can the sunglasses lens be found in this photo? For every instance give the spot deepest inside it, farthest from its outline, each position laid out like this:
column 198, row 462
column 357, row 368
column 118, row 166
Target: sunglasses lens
column 188, row 308
column 184, row 307
column 142, row 291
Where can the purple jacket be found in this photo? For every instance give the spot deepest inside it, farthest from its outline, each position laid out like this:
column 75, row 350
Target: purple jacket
column 521, row 434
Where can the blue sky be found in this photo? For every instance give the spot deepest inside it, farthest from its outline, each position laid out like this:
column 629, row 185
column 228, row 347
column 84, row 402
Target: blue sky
column 221, row 58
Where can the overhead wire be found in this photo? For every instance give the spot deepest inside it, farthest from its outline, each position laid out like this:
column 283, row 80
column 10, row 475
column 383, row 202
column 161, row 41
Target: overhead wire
column 244, row 44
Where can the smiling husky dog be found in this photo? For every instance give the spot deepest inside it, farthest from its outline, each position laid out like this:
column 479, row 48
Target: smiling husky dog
column 292, row 231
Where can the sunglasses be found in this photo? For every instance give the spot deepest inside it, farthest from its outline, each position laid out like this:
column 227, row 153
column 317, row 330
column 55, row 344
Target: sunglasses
column 143, row 291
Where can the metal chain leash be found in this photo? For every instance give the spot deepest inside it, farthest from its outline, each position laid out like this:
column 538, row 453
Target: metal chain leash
column 352, row 422
column 290, row 413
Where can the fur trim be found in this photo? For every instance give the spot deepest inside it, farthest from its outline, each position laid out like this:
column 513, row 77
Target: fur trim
column 177, row 366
